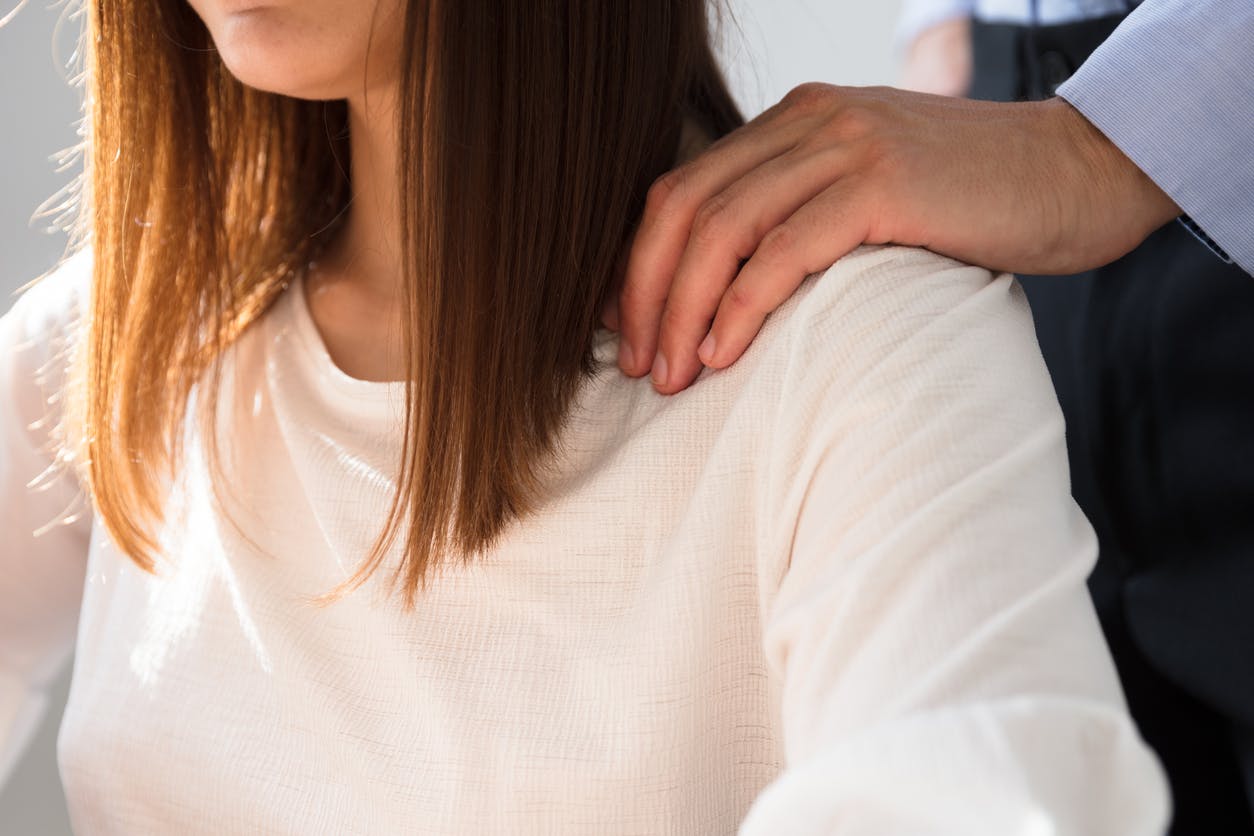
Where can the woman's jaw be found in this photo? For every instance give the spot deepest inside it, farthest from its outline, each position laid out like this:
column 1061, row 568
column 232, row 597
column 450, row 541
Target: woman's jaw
column 308, row 49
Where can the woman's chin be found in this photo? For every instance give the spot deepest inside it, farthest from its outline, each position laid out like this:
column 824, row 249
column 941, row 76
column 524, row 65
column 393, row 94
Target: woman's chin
column 271, row 79
column 263, row 59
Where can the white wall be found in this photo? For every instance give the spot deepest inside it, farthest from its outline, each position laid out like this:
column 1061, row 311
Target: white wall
column 782, row 43
column 39, row 108
column 770, row 46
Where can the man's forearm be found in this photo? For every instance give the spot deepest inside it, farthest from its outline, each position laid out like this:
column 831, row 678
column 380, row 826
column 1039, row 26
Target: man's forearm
column 1173, row 88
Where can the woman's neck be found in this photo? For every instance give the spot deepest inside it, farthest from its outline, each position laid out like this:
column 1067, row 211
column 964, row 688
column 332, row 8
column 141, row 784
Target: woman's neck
column 366, row 251
column 354, row 289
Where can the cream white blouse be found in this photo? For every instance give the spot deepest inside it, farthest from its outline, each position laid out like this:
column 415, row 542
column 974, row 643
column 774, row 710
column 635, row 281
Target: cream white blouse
column 837, row 588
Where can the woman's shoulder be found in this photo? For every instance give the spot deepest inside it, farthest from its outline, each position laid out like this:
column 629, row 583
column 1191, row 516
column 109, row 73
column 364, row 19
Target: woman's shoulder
column 896, row 364
column 37, row 336
column 912, row 307
column 48, row 308
column 890, row 293
column 891, row 327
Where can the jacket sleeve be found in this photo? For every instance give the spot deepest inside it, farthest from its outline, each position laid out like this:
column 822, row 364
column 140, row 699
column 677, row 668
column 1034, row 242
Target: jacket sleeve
column 940, row 665
column 44, row 524
column 1173, row 89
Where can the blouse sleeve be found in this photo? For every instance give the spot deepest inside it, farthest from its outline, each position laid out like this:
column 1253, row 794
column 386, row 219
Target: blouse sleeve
column 44, row 529
column 940, row 665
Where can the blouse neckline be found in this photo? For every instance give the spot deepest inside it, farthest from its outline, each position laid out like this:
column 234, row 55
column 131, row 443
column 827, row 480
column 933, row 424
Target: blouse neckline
column 317, row 356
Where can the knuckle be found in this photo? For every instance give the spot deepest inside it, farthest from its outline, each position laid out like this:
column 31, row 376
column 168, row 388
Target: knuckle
column 665, row 190
column 810, row 97
column 777, row 245
column 738, row 299
column 856, row 121
column 710, row 222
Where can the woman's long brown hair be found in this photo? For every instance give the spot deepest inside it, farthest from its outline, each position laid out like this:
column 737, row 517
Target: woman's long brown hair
column 531, row 133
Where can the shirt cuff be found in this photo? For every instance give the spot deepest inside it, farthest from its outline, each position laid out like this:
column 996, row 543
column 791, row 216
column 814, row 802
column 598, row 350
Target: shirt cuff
column 1172, row 89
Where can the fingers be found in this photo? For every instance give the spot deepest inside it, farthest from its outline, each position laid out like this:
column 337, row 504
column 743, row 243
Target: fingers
column 670, row 208
column 726, row 230
column 821, row 232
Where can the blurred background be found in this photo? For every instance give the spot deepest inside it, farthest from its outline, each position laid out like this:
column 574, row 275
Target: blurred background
column 768, row 47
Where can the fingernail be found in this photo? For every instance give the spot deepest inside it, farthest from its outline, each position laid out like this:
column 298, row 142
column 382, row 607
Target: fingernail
column 625, row 360
column 706, row 351
column 659, row 369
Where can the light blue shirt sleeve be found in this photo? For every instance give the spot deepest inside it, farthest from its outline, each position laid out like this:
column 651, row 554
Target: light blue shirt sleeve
column 1173, row 88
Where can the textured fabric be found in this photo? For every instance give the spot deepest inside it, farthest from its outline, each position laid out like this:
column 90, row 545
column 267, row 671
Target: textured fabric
column 835, row 588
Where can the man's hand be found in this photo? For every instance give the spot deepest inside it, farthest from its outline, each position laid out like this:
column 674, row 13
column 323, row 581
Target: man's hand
column 728, row 236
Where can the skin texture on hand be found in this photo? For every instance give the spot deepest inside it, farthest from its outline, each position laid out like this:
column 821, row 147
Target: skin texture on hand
column 727, row 237
column 939, row 60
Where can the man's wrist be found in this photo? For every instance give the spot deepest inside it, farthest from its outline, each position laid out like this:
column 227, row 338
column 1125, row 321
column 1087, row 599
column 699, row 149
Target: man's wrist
column 1102, row 175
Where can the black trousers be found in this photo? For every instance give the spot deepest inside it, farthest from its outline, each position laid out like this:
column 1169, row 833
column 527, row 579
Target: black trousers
column 1152, row 358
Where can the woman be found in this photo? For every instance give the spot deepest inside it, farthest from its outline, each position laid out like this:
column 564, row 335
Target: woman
column 352, row 347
